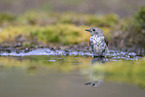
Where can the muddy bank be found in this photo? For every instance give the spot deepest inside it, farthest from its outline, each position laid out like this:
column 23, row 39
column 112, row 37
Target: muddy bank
column 18, row 47
column 73, row 49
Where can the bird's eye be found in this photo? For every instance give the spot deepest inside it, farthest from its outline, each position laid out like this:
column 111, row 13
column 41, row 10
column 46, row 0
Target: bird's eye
column 93, row 29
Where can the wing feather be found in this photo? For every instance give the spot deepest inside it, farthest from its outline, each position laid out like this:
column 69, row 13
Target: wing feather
column 106, row 41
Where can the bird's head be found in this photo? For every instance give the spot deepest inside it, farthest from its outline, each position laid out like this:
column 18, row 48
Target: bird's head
column 95, row 31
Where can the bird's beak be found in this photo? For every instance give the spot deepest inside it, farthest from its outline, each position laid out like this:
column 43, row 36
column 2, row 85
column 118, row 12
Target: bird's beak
column 87, row 30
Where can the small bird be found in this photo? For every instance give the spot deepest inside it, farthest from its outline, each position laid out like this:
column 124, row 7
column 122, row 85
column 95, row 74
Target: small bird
column 98, row 42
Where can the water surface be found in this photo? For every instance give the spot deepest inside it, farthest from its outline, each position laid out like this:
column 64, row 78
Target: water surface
column 64, row 76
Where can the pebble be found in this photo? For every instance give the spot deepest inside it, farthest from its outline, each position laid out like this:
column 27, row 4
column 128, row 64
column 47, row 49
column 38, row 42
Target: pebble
column 114, row 55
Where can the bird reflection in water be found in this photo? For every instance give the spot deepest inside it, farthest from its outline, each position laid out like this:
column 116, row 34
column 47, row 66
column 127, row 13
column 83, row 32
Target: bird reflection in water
column 96, row 77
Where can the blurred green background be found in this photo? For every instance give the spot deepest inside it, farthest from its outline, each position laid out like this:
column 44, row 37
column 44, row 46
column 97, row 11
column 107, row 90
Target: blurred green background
column 32, row 23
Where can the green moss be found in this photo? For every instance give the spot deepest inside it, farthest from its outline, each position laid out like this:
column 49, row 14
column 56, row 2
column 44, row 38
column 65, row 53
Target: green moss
column 60, row 33
column 26, row 45
column 64, row 28
column 140, row 17
column 92, row 20
column 44, row 18
column 66, row 18
column 108, row 20
column 5, row 17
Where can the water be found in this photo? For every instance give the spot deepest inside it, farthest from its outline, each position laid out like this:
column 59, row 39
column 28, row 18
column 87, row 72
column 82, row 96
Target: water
column 43, row 75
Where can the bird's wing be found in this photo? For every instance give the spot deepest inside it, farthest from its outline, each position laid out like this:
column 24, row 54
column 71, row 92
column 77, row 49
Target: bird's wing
column 89, row 43
column 106, row 41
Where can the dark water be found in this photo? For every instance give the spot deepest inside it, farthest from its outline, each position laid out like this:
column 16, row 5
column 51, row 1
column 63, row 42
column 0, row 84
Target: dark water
column 63, row 76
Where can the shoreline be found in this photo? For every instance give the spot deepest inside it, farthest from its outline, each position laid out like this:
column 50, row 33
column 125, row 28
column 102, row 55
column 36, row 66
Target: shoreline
column 83, row 47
